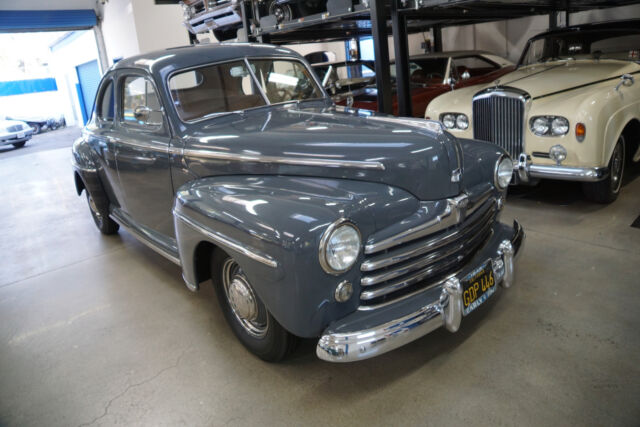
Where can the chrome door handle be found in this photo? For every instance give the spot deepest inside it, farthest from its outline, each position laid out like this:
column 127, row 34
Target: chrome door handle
column 625, row 80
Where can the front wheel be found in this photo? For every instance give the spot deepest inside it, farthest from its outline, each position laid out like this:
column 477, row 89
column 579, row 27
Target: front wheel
column 607, row 190
column 246, row 314
column 36, row 128
column 19, row 144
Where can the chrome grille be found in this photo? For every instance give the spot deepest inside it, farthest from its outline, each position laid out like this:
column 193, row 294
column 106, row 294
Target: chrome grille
column 498, row 118
column 414, row 265
column 14, row 128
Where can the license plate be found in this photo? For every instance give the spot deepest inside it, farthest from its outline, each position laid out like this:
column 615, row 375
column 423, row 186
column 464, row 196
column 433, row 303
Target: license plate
column 477, row 287
column 20, row 134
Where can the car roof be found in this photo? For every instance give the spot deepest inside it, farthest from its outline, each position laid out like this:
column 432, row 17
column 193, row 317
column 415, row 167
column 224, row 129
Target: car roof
column 452, row 53
column 629, row 24
column 164, row 61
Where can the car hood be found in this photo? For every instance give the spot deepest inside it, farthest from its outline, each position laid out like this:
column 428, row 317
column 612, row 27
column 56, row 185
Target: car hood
column 544, row 79
column 4, row 124
column 333, row 142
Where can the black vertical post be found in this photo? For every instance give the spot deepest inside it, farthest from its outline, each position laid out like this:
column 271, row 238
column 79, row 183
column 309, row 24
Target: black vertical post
column 400, row 44
column 553, row 20
column 437, row 38
column 192, row 38
column 381, row 52
column 245, row 22
column 566, row 13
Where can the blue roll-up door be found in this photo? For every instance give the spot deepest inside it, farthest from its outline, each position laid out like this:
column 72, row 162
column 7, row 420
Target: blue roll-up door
column 88, row 79
column 46, row 20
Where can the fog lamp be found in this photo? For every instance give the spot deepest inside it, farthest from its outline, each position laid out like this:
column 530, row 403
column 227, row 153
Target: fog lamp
column 558, row 153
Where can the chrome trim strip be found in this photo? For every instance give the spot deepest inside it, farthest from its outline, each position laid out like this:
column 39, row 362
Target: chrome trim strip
column 444, row 309
column 226, row 241
column 320, row 162
column 75, row 165
column 141, row 236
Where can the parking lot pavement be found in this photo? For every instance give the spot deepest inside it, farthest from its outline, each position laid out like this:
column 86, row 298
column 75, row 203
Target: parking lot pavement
column 46, row 140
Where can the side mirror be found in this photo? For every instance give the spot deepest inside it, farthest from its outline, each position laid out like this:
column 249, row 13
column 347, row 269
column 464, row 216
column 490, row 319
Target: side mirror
column 466, row 75
column 143, row 114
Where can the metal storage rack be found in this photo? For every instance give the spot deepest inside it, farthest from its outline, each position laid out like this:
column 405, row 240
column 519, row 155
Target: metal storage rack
column 346, row 19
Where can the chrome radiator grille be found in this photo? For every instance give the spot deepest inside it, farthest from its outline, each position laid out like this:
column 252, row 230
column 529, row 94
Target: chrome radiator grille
column 498, row 118
column 415, row 265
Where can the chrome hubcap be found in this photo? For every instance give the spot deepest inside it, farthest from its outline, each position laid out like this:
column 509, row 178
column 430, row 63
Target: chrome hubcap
column 617, row 161
column 248, row 310
column 94, row 208
column 242, row 300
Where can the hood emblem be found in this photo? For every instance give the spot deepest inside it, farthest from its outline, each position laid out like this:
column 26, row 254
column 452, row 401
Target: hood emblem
column 497, row 82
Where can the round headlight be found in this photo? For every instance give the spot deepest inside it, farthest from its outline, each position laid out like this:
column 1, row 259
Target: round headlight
column 449, row 121
column 503, row 172
column 540, row 126
column 560, row 126
column 462, row 121
column 339, row 247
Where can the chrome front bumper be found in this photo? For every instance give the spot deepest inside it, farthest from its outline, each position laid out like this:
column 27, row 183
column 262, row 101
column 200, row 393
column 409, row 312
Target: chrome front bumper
column 443, row 309
column 525, row 170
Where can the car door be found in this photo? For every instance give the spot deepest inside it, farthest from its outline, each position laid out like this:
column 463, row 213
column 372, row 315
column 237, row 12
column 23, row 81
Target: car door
column 142, row 154
column 100, row 133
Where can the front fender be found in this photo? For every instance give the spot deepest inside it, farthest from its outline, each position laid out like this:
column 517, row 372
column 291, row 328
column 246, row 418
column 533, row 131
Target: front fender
column 272, row 226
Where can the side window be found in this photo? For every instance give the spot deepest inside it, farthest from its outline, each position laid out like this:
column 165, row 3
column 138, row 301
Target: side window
column 106, row 103
column 140, row 103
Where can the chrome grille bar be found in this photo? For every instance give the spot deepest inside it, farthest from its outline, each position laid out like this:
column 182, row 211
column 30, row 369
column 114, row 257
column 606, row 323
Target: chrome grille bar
column 414, row 262
column 498, row 117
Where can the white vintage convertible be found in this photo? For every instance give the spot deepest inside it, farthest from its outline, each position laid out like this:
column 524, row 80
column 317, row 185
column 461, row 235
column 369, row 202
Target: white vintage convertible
column 570, row 110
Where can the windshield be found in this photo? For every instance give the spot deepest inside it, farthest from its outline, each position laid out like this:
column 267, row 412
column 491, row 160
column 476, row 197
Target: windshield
column 425, row 70
column 602, row 44
column 330, row 74
column 230, row 86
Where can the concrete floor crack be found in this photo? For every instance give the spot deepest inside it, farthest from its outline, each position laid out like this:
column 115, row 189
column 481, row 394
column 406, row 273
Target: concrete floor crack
column 128, row 388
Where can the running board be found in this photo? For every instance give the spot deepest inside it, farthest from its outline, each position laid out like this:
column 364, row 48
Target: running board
column 146, row 236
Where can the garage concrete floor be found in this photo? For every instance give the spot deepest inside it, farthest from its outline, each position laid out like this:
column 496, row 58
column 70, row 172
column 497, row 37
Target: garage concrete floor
column 101, row 330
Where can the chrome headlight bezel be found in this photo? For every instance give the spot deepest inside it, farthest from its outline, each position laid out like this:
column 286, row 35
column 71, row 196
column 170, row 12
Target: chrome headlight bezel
column 500, row 172
column 328, row 265
column 553, row 125
column 454, row 119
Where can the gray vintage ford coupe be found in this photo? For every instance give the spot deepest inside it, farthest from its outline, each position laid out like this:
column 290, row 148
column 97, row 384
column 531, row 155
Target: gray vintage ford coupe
column 366, row 231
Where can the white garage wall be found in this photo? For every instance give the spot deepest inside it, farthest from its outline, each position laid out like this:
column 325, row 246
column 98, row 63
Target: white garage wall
column 508, row 38
column 119, row 30
column 158, row 26
column 133, row 27
column 64, row 59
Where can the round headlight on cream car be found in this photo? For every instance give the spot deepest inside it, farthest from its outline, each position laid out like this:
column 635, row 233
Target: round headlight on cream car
column 540, row 126
column 339, row 247
column 449, row 121
column 559, row 126
column 503, row 172
column 462, row 122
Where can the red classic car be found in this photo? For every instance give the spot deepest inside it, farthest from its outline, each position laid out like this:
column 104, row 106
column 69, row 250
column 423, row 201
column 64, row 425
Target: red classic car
column 436, row 73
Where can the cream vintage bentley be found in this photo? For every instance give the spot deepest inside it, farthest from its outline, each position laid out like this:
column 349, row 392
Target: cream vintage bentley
column 570, row 110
